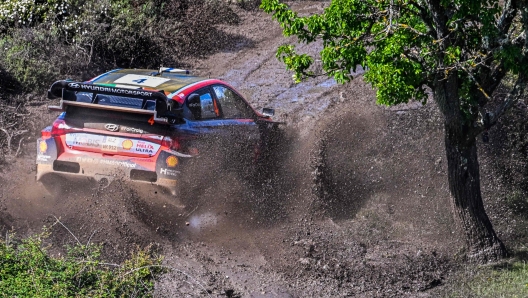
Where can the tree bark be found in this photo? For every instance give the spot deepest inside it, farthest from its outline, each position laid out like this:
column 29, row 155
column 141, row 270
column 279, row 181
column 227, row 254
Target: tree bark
column 464, row 185
column 464, row 177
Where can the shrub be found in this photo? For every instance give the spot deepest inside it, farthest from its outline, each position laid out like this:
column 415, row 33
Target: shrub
column 25, row 13
column 27, row 270
column 45, row 40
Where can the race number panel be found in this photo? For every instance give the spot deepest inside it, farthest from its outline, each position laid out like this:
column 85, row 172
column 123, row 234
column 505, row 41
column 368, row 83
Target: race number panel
column 141, row 80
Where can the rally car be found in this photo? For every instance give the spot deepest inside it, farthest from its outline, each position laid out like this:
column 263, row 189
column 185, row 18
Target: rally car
column 147, row 126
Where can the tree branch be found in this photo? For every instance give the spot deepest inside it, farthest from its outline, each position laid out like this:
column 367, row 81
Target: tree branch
column 426, row 17
column 490, row 119
column 439, row 19
column 508, row 14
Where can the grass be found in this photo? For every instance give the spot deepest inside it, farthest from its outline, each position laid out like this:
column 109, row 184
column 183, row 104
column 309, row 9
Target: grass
column 28, row 270
column 510, row 280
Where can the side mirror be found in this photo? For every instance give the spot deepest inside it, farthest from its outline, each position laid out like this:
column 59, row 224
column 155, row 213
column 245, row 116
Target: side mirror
column 268, row 112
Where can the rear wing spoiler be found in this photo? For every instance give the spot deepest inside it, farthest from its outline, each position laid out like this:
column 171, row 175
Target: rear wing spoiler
column 164, row 111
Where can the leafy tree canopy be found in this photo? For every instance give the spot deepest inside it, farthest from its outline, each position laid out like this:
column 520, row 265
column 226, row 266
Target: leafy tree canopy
column 404, row 46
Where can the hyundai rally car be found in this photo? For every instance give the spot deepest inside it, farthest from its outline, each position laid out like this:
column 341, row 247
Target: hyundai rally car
column 146, row 126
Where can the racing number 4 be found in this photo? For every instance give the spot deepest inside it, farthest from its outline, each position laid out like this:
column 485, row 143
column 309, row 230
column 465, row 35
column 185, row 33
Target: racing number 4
column 139, row 81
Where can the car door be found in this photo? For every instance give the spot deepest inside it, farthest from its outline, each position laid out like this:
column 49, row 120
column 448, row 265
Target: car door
column 236, row 114
column 240, row 120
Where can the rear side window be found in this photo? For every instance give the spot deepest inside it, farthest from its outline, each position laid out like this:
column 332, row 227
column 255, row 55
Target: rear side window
column 233, row 106
column 207, row 107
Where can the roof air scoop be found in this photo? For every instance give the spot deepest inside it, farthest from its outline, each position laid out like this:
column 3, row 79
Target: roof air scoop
column 171, row 70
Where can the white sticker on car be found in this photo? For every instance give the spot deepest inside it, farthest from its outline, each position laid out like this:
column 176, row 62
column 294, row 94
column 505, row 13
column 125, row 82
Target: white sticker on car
column 141, row 80
column 111, row 144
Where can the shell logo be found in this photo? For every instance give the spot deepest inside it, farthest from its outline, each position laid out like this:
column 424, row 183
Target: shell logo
column 127, row 144
column 43, row 146
column 171, row 161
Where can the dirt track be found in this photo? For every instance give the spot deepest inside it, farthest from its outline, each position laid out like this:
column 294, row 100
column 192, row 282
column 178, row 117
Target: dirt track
column 359, row 205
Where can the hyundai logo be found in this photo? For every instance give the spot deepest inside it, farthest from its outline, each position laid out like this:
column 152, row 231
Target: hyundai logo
column 112, row 127
column 74, row 85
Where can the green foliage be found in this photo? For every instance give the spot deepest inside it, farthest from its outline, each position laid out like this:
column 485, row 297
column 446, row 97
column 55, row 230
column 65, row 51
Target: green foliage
column 27, row 270
column 353, row 36
column 287, row 55
column 26, row 61
column 394, row 40
column 45, row 40
column 22, row 13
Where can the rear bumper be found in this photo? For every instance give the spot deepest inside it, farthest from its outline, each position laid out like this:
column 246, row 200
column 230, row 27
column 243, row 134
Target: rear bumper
column 141, row 177
column 154, row 170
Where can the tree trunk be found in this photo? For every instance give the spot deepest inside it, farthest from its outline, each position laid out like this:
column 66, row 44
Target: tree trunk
column 463, row 175
column 464, row 185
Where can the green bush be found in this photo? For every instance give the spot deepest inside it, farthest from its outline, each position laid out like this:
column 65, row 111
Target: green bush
column 23, row 13
column 25, row 60
column 27, row 270
column 45, row 40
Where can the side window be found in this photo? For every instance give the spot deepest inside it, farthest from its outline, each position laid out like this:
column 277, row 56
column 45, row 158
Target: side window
column 232, row 105
column 201, row 107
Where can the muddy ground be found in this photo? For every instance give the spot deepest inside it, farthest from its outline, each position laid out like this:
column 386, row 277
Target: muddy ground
column 358, row 205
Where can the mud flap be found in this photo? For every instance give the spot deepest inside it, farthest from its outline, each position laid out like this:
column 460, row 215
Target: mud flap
column 169, row 169
column 46, row 154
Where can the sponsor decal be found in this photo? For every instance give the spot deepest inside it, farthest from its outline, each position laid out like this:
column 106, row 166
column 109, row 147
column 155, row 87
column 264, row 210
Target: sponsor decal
column 127, row 144
column 42, row 157
column 171, row 161
column 110, row 162
column 117, row 163
column 169, row 172
column 131, row 129
column 110, row 143
column 95, row 88
column 144, row 147
column 85, row 142
column 111, row 127
column 43, row 146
